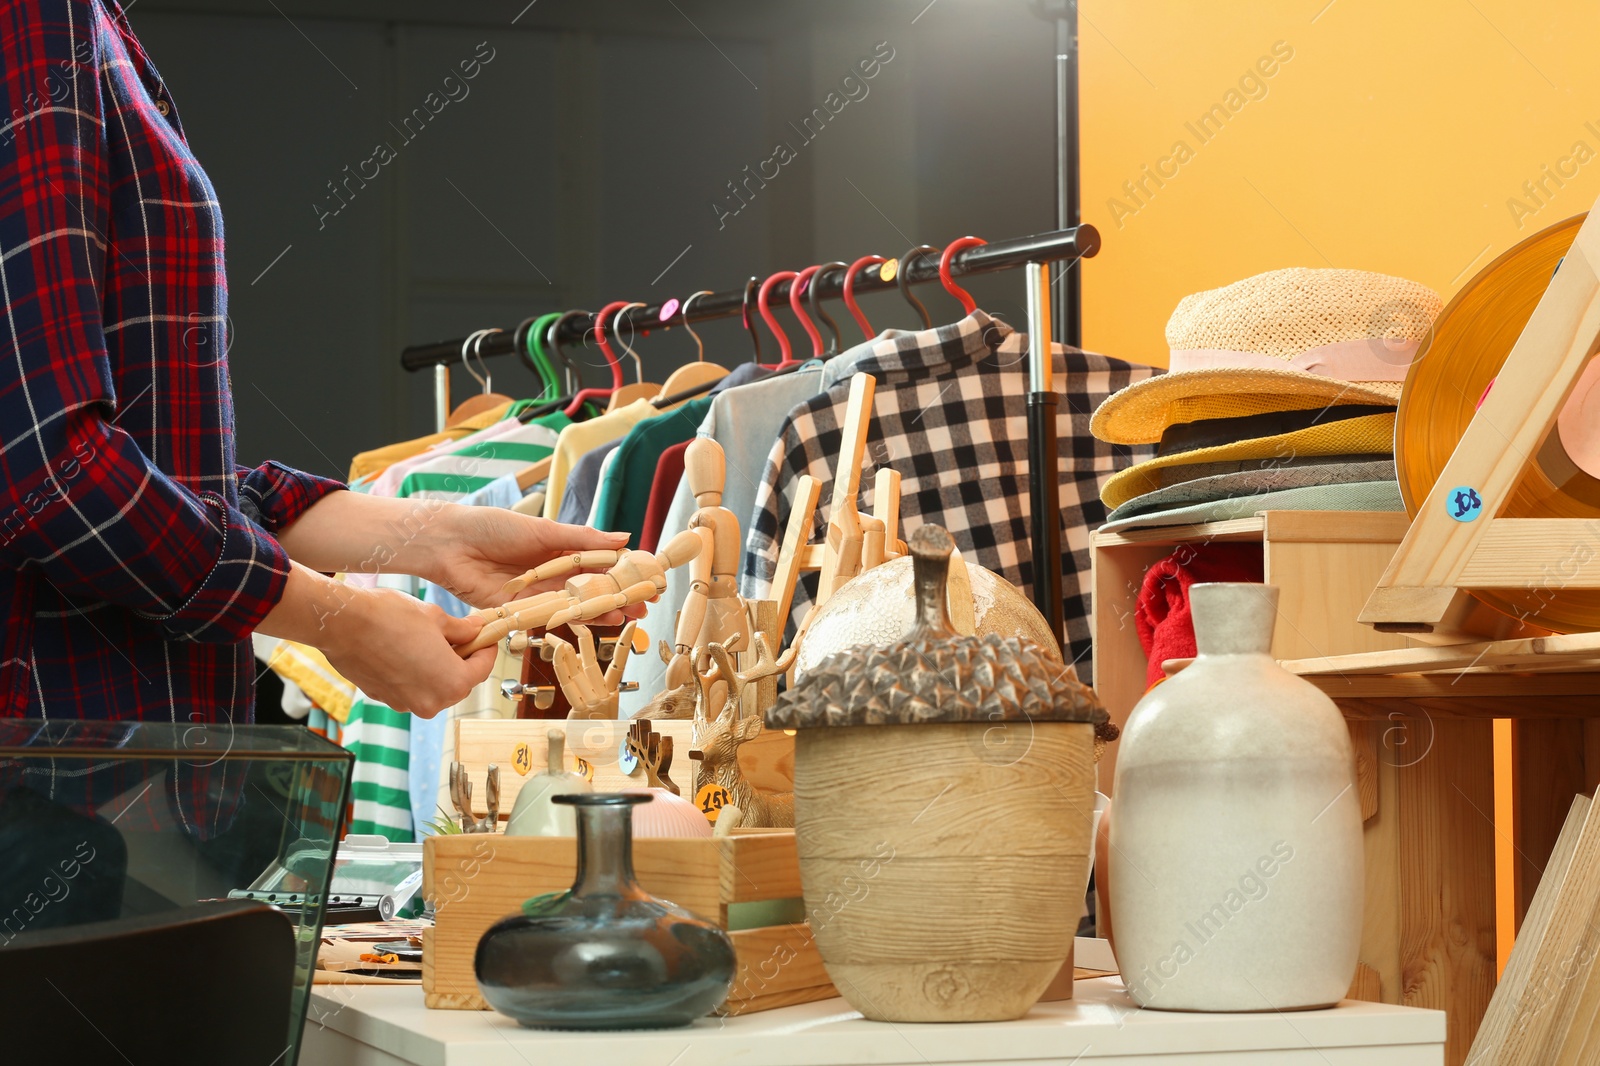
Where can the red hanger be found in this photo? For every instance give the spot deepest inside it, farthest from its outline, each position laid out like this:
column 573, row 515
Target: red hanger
column 796, row 289
column 850, row 292
column 968, row 304
column 771, row 321
column 584, row 395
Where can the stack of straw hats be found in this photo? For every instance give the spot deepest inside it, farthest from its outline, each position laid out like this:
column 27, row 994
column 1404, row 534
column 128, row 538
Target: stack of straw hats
column 1281, row 395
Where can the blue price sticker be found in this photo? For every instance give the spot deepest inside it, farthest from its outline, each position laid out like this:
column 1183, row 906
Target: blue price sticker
column 626, row 761
column 1464, row 503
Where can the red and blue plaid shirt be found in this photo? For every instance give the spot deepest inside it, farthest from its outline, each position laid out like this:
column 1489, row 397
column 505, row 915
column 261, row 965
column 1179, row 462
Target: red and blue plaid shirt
column 135, row 556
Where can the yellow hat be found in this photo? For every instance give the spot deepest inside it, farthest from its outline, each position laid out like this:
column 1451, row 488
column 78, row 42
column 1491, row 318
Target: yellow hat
column 1286, row 340
column 1366, row 435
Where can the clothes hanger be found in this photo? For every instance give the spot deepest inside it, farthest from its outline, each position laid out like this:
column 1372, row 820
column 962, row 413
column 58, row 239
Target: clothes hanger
column 485, row 400
column 745, row 308
column 639, row 389
column 904, row 272
column 545, row 341
column 850, row 292
column 796, row 288
column 611, row 358
column 522, row 343
column 815, row 303
column 968, row 304
column 772, row 321
column 573, row 375
column 689, row 375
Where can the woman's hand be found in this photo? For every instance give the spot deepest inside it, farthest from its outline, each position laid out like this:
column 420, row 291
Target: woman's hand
column 476, row 550
column 395, row 648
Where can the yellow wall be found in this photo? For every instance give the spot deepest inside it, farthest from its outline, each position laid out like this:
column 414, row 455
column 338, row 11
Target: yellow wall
column 1392, row 140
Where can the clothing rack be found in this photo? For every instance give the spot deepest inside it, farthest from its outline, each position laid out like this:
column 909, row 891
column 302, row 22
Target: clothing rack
column 1034, row 253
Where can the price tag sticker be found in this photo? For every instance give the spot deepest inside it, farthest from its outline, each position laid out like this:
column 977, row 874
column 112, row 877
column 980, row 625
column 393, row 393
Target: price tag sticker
column 626, row 762
column 711, row 799
column 586, row 768
column 522, row 759
column 889, row 269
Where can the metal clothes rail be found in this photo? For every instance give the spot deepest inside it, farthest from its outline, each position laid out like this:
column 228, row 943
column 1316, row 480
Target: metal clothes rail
column 1078, row 242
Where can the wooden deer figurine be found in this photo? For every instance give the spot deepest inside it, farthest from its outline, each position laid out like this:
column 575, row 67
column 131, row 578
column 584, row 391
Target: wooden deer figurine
column 720, row 730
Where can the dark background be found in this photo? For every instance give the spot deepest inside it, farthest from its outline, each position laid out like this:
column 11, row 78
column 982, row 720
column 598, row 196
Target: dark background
column 584, row 159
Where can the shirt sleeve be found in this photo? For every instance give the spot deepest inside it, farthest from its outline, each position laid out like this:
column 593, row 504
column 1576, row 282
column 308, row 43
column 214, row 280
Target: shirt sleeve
column 80, row 503
column 274, row 496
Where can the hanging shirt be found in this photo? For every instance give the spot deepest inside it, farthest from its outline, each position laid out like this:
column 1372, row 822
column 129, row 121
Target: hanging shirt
column 663, row 487
column 951, row 416
column 135, row 556
column 581, row 437
column 625, row 491
column 583, row 484
column 372, row 463
column 472, row 467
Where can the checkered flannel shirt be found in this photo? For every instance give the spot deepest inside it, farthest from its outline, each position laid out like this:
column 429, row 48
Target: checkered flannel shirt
column 135, row 556
column 950, row 415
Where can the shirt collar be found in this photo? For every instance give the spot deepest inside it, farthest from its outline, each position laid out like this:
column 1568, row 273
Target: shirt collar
column 954, row 345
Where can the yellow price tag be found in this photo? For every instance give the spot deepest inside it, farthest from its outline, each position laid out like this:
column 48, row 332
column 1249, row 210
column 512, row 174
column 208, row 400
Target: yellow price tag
column 889, row 269
column 522, row 759
column 711, row 799
column 586, row 769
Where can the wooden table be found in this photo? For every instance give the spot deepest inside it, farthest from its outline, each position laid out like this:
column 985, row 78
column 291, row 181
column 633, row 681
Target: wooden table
column 364, row 1025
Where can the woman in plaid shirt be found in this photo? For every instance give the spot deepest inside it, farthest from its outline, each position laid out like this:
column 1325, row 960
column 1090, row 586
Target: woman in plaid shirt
column 135, row 556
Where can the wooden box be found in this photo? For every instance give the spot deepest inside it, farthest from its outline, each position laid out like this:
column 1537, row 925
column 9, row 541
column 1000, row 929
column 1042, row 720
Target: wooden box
column 474, row 880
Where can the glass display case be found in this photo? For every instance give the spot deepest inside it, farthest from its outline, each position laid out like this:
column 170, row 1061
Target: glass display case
column 108, row 820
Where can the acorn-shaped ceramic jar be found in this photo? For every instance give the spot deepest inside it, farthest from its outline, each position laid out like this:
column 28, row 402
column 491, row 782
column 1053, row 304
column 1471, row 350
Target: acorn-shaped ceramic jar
column 944, row 793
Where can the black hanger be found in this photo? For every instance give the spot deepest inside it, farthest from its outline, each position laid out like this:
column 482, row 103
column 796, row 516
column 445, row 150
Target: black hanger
column 904, row 271
column 815, row 304
column 750, row 289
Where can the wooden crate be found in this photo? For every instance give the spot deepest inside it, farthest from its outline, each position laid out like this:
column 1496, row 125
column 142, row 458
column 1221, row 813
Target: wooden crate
column 475, row 880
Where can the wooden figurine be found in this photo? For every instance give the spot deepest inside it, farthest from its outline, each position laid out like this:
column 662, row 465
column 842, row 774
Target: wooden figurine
column 633, row 577
column 654, row 754
column 590, row 692
column 720, row 729
column 461, row 796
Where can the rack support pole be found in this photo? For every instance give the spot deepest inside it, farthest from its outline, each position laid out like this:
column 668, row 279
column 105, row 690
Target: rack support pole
column 1044, row 487
column 441, row 395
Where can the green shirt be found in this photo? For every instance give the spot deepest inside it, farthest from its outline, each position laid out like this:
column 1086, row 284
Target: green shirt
column 625, row 490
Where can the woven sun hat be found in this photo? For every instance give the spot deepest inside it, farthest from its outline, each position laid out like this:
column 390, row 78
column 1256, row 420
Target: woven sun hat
column 1358, row 496
column 1343, row 430
column 1267, row 476
column 1285, row 340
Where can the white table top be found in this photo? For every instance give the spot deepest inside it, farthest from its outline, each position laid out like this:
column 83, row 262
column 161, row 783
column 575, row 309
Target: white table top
column 1101, row 1023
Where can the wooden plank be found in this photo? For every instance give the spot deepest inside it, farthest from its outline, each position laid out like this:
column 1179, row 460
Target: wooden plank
column 1446, row 878
column 778, row 966
column 1366, row 986
column 1507, row 428
column 1427, row 708
column 1547, row 771
column 1519, row 689
column 1117, row 573
column 1234, row 529
column 758, row 866
column 846, row 477
column 1507, row 1000
column 1380, row 843
column 1536, row 553
column 1591, row 756
column 793, row 553
column 1352, row 527
column 1530, row 652
column 1364, row 742
column 1321, row 588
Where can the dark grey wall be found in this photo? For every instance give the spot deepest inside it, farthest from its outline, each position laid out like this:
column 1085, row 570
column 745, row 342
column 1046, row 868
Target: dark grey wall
column 579, row 165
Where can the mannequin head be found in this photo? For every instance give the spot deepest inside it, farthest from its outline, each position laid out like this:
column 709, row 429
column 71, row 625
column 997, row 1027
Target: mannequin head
column 706, row 468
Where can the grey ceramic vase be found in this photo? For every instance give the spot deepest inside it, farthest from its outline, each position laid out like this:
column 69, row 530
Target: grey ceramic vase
column 1236, row 858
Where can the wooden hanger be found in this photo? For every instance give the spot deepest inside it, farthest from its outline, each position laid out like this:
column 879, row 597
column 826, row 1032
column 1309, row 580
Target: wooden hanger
column 695, row 374
column 533, row 473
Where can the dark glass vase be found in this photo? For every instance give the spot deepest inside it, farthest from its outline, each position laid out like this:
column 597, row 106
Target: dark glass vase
column 605, row 954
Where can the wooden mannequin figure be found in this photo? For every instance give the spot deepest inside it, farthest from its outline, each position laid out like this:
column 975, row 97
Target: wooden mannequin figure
column 592, row 693
column 713, row 613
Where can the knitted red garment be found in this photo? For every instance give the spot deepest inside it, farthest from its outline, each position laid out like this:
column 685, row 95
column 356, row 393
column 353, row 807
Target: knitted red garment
column 1161, row 617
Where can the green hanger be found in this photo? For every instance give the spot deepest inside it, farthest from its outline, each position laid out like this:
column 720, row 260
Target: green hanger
column 552, row 386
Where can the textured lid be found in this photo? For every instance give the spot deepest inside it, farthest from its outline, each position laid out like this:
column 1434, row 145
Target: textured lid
column 934, row 674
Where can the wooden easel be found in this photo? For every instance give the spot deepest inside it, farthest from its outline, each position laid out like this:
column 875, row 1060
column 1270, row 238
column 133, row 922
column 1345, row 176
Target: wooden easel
column 847, row 548
column 1424, row 589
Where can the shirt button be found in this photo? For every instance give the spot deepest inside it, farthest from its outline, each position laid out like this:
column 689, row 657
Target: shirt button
column 161, row 106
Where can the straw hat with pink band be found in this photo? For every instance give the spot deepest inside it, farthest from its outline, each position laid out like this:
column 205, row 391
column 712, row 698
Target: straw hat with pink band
column 1287, row 340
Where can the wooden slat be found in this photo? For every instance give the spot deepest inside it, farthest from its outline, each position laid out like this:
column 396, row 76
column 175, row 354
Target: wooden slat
column 794, row 555
column 1519, row 689
column 1351, row 527
column 1380, row 842
column 1446, row 879
column 778, row 966
column 1364, row 740
column 1367, row 986
column 1234, row 529
column 1421, row 709
column 1547, row 771
column 1321, row 587
column 1504, row 1006
column 1516, row 415
column 1523, row 553
column 765, row 866
column 1531, row 652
